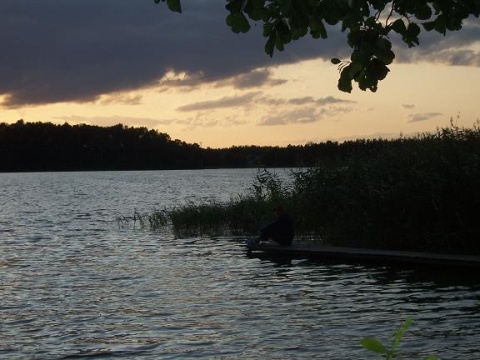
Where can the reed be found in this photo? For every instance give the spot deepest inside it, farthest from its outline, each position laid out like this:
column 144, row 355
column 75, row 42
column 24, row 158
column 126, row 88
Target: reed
column 242, row 214
column 154, row 220
column 420, row 193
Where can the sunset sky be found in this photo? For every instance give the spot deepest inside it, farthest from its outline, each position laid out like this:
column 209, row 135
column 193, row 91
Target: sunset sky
column 104, row 62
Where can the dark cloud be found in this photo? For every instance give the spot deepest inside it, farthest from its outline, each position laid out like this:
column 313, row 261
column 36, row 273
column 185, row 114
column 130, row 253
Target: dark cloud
column 256, row 98
column 453, row 49
column 252, row 79
column 79, row 50
column 225, row 102
column 332, row 100
column 306, row 100
column 302, row 115
column 423, row 116
column 302, row 101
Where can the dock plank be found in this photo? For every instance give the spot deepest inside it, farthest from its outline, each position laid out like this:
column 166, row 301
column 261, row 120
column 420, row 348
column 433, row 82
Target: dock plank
column 320, row 252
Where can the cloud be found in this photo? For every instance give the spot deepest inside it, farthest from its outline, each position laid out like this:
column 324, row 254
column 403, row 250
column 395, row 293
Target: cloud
column 199, row 120
column 332, row 100
column 298, row 116
column 302, row 115
column 256, row 98
column 188, row 82
column 458, row 48
column 81, row 50
column 450, row 56
column 203, row 120
column 256, row 78
column 408, row 106
column 329, row 100
column 125, row 99
column 423, row 116
column 225, row 102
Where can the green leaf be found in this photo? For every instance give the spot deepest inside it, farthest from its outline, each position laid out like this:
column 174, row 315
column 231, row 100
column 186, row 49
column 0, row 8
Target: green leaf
column 283, row 33
column 441, row 25
column 385, row 55
column 399, row 26
column 454, row 24
column 384, row 51
column 366, row 81
column 423, row 12
column 317, row 29
column 258, row 14
column 355, row 69
column 258, row 3
column 345, row 82
column 411, row 35
column 279, row 43
column 174, row 5
column 360, row 56
column 238, row 22
column 299, row 32
column 233, row 6
column 270, row 46
column 429, row 26
column 384, row 44
column 476, row 3
column 378, row 4
column 374, row 345
column 401, row 332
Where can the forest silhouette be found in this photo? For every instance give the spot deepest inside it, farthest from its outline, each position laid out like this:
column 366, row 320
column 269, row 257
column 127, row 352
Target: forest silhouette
column 39, row 146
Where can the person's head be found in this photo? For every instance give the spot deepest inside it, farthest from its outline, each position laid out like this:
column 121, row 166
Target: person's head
column 278, row 210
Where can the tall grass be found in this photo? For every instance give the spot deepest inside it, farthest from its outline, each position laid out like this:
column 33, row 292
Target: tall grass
column 243, row 214
column 419, row 193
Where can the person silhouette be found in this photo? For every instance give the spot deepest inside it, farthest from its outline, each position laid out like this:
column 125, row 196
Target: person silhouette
column 279, row 230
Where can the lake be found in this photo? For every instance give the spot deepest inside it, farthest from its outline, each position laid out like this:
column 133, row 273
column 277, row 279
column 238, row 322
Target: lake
column 75, row 284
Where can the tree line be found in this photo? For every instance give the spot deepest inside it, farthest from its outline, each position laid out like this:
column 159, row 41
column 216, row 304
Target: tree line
column 39, row 146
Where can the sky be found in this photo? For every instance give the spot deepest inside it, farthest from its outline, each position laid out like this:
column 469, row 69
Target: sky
column 105, row 62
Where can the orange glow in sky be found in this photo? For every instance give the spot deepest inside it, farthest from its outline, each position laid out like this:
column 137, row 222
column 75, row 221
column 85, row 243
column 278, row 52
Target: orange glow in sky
column 296, row 109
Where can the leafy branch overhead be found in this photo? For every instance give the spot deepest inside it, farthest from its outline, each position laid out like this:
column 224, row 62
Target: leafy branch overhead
column 368, row 23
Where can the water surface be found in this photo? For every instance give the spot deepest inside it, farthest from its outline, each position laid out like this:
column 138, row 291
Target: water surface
column 74, row 284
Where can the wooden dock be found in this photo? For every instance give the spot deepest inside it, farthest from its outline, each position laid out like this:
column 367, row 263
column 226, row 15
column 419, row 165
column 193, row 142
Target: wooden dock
column 360, row 255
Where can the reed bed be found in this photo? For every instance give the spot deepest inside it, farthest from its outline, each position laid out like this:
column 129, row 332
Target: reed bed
column 420, row 193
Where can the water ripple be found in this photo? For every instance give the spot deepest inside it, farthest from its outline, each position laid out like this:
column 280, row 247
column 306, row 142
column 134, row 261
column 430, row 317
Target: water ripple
column 74, row 285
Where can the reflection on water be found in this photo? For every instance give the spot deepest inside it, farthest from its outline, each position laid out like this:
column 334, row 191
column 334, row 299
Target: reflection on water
column 74, row 285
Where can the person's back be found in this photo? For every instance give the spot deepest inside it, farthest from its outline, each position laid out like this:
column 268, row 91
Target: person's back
column 280, row 230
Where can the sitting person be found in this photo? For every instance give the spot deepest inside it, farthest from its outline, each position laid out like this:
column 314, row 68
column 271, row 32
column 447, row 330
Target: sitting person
column 280, row 230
